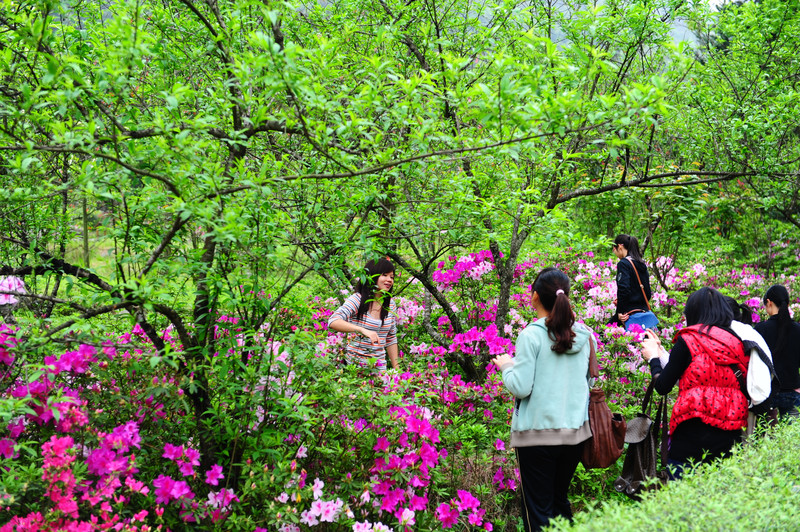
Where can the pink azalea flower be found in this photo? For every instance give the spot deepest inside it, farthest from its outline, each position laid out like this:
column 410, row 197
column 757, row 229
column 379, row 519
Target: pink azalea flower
column 180, row 489
column 214, row 474
column 418, row 503
column 11, row 284
column 446, row 515
column 7, row 448
column 316, row 508
column 193, row 455
column 302, row 452
column 186, row 469
column 172, row 452
column 316, row 488
column 163, row 485
column 500, row 445
column 329, row 512
column 309, row 519
column 381, row 445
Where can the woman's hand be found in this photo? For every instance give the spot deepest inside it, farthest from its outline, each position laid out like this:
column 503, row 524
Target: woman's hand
column 499, row 360
column 624, row 317
column 372, row 335
column 651, row 345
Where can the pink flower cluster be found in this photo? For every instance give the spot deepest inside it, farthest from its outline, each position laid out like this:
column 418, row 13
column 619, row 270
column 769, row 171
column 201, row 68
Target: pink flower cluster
column 10, row 284
column 466, row 505
column 7, row 342
column 472, row 341
column 473, row 266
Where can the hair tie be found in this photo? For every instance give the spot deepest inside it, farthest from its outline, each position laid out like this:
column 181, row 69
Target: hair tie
column 559, row 292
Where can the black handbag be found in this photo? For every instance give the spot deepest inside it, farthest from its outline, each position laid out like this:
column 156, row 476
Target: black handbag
column 644, row 440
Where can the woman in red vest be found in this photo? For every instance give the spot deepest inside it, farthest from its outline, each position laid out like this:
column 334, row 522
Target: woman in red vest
column 711, row 409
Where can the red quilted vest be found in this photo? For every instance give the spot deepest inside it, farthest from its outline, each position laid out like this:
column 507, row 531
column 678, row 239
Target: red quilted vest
column 708, row 388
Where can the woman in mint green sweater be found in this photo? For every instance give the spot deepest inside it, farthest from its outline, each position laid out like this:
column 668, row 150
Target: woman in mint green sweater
column 549, row 378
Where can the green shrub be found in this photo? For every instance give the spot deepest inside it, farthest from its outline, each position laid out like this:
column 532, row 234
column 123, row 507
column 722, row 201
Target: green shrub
column 758, row 488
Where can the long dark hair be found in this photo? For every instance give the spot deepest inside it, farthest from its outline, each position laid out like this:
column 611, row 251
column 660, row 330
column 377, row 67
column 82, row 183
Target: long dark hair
column 632, row 245
column 366, row 285
column 741, row 312
column 561, row 319
column 779, row 295
column 708, row 307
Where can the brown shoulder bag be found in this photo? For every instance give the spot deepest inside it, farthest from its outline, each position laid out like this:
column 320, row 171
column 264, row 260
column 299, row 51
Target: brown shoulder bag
column 608, row 429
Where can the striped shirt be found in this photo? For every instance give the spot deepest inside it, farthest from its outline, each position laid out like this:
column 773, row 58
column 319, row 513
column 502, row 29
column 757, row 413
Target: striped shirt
column 360, row 350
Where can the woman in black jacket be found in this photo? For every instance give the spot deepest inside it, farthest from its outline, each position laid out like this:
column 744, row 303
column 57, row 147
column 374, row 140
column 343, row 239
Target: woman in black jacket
column 629, row 293
column 782, row 335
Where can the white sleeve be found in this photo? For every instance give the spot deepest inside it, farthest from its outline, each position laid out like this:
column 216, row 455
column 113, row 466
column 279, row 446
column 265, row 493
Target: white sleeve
column 759, row 378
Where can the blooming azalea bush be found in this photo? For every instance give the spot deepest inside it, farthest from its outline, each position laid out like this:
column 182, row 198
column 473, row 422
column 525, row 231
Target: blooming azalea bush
column 99, row 436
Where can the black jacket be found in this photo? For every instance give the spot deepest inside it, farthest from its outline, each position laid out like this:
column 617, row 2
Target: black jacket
column 787, row 359
column 629, row 294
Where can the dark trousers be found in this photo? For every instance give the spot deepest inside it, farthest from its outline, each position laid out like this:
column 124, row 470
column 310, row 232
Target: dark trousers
column 786, row 402
column 545, row 473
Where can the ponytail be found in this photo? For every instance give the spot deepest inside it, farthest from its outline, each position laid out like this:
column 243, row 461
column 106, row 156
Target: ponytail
column 741, row 312
column 552, row 285
column 632, row 245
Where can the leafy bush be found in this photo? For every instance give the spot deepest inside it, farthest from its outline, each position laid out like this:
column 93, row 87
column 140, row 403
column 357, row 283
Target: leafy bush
column 758, row 488
column 104, row 435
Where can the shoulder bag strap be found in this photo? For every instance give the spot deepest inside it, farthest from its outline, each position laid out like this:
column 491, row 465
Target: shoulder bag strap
column 662, row 420
column 640, row 282
column 594, row 365
column 648, row 395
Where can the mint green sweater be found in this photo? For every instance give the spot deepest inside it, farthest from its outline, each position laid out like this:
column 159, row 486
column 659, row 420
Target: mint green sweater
column 551, row 389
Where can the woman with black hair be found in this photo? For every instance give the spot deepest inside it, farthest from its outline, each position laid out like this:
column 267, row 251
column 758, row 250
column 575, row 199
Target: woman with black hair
column 711, row 409
column 632, row 295
column 549, row 379
column 782, row 335
column 369, row 315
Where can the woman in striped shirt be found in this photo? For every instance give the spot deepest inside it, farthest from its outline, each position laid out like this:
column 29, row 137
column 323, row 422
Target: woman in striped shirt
column 369, row 315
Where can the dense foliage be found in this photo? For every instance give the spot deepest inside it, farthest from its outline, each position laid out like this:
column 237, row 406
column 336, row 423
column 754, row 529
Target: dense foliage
column 320, row 443
column 190, row 186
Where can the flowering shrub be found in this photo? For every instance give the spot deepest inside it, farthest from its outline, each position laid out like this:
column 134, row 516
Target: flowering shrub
column 98, row 436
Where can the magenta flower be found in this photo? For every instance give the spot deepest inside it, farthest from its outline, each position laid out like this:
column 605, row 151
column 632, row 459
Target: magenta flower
column 186, row 469
column 163, row 485
column 172, row 452
column 180, row 490
column 446, row 515
column 7, row 448
column 214, row 474
column 193, row 455
column 392, row 499
column 429, row 455
column 381, row 445
column 418, row 503
column 500, row 445
column 56, row 452
column 467, row 501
